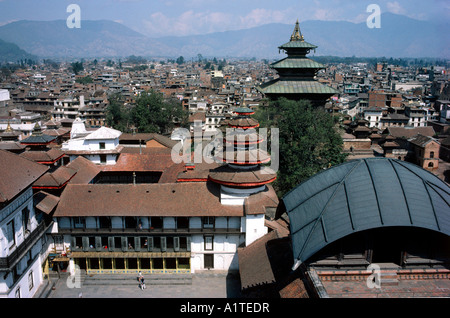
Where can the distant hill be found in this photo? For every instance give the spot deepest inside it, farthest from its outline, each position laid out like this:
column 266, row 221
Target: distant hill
column 10, row 52
column 398, row 36
column 94, row 39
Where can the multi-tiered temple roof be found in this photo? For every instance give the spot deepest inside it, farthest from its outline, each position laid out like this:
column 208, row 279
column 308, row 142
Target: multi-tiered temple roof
column 242, row 155
column 297, row 74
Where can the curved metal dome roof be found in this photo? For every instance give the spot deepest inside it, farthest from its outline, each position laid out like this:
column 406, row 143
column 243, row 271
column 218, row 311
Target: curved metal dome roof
column 364, row 194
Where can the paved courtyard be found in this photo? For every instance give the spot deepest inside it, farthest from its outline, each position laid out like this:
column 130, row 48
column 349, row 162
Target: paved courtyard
column 199, row 285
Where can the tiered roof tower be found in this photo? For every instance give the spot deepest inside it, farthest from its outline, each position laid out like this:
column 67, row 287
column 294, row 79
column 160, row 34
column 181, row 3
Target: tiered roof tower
column 244, row 173
column 297, row 74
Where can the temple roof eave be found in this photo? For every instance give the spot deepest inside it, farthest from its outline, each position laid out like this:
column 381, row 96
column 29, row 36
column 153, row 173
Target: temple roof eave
column 295, row 86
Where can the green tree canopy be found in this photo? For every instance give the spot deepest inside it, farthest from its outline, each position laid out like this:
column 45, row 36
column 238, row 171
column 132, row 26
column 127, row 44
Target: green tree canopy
column 77, row 67
column 116, row 113
column 180, row 60
column 308, row 140
column 153, row 113
column 84, row 80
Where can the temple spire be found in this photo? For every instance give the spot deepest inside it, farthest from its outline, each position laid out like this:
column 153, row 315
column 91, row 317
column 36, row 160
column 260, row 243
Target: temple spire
column 37, row 131
column 8, row 128
column 297, row 34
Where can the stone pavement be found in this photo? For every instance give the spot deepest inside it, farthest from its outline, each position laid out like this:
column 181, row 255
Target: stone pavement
column 206, row 284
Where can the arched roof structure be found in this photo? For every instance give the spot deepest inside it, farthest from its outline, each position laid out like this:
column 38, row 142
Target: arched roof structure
column 360, row 195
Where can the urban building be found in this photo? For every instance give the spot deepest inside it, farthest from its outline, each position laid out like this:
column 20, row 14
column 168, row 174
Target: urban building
column 101, row 146
column 23, row 243
column 373, row 227
column 183, row 226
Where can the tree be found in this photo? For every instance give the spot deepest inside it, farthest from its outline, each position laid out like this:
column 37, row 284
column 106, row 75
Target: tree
column 84, row 80
column 153, row 114
column 308, row 140
column 77, row 67
column 116, row 113
column 180, row 60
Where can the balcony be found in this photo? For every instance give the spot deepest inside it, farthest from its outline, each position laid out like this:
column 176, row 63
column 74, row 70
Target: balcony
column 153, row 231
column 7, row 263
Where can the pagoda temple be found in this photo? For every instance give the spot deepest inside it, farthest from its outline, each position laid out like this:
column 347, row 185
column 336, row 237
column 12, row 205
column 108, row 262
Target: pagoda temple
column 297, row 74
column 242, row 174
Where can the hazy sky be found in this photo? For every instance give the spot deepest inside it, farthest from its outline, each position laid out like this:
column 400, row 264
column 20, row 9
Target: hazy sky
column 184, row 17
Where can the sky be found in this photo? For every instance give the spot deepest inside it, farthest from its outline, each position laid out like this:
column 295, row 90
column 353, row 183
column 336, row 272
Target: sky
column 156, row 18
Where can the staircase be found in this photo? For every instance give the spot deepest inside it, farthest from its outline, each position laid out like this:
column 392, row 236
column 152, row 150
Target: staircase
column 388, row 278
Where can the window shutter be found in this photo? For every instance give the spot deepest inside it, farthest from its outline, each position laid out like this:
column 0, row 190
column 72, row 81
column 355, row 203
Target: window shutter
column 188, row 243
column 98, row 243
column 124, row 244
column 163, row 244
column 111, row 243
column 176, row 244
column 137, row 243
column 73, row 244
column 150, row 243
column 85, row 243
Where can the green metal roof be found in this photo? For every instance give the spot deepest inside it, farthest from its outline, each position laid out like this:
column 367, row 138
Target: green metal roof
column 294, row 62
column 244, row 110
column 295, row 86
column 364, row 194
column 38, row 139
column 297, row 45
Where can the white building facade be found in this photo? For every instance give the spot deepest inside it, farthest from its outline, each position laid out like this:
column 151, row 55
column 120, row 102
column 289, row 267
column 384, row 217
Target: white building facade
column 181, row 235
column 100, row 146
column 22, row 248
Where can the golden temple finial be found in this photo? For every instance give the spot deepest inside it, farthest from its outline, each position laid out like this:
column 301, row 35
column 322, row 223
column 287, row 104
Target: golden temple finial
column 297, row 35
column 8, row 128
column 37, row 130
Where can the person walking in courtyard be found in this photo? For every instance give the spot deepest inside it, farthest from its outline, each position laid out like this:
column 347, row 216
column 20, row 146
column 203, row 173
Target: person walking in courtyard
column 141, row 281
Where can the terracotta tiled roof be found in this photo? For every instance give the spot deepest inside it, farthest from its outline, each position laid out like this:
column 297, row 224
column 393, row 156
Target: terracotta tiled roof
column 281, row 226
column 199, row 171
column 144, row 137
column 399, row 132
column 420, row 140
column 45, row 202
column 246, row 157
column 57, row 179
column 11, row 146
column 197, row 116
column 47, row 156
column 157, row 199
column 259, row 202
column 233, row 177
column 17, row 173
column 86, row 170
column 254, row 264
column 243, row 122
column 141, row 162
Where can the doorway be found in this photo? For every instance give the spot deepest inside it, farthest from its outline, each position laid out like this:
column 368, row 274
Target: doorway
column 209, row 261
